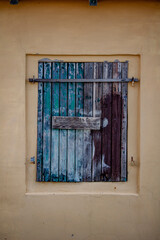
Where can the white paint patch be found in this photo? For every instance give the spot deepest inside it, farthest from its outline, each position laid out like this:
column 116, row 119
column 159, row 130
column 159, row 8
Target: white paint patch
column 105, row 122
column 97, row 113
column 102, row 159
column 70, row 112
column 104, row 165
column 107, row 166
column 93, row 150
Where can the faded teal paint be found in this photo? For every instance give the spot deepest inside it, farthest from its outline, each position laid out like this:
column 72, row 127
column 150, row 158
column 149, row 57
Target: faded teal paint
column 47, row 123
column 63, row 133
column 79, row 133
column 40, row 125
column 55, row 132
column 71, row 133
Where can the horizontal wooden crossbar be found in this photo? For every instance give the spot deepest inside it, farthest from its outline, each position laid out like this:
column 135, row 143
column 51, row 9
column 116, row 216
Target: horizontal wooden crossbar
column 92, row 123
column 109, row 80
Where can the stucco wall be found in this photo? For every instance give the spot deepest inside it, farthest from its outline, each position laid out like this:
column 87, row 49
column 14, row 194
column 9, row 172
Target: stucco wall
column 73, row 30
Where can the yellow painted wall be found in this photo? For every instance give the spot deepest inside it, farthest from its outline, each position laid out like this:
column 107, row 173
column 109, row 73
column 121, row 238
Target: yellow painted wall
column 73, row 30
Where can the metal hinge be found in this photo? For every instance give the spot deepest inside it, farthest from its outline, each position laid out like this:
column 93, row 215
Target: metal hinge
column 13, row 2
column 32, row 160
column 93, row 2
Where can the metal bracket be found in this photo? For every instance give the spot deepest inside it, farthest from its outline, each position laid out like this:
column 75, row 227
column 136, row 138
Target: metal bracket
column 32, row 160
column 93, row 2
column 14, row 2
column 132, row 161
column 133, row 81
column 32, row 80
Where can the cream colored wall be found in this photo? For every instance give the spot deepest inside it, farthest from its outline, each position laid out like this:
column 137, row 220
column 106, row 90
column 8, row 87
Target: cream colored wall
column 72, row 29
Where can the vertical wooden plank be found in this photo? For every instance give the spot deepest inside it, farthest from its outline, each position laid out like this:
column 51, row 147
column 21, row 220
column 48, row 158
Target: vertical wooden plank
column 47, row 123
column 96, row 159
column 55, row 132
column 63, row 133
column 124, row 123
column 107, row 123
column 79, row 133
column 116, row 124
column 71, row 133
column 88, row 104
column 40, row 125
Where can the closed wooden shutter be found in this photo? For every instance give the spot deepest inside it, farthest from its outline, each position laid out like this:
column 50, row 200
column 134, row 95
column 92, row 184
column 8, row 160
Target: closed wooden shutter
column 82, row 127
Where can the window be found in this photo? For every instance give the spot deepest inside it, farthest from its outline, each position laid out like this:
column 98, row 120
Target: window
column 82, row 124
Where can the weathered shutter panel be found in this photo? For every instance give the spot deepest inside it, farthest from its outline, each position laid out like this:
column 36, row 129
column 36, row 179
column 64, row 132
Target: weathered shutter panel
column 97, row 135
column 124, row 123
column 40, row 125
column 116, row 123
column 55, row 132
column 79, row 133
column 106, row 111
column 63, row 146
column 71, row 133
column 88, row 112
column 75, row 155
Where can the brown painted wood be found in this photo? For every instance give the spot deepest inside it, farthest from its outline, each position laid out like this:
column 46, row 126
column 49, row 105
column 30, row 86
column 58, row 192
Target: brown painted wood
column 92, row 123
column 97, row 89
column 116, row 124
column 107, row 124
column 88, row 112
